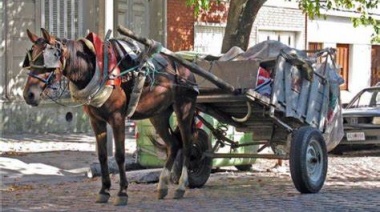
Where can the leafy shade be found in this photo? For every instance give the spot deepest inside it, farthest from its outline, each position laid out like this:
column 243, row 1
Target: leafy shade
column 200, row 5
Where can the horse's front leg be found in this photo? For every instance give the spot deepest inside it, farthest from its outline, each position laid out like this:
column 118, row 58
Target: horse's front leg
column 100, row 131
column 118, row 125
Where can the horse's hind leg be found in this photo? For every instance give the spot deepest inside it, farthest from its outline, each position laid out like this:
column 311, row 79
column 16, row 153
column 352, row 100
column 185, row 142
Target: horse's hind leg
column 161, row 124
column 100, row 131
column 185, row 112
column 118, row 125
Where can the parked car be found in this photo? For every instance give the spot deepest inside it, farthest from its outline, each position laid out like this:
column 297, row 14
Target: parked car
column 361, row 120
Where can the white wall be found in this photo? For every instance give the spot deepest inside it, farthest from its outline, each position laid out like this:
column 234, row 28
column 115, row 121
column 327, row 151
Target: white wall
column 336, row 29
column 360, row 64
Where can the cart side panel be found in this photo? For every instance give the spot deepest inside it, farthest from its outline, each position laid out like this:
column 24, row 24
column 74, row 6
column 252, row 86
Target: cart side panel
column 293, row 83
column 240, row 74
column 315, row 104
column 302, row 99
column 278, row 92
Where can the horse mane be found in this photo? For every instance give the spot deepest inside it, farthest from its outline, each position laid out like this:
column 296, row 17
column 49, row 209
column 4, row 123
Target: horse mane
column 80, row 63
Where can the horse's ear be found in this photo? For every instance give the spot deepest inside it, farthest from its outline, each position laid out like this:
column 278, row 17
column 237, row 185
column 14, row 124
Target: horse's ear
column 32, row 37
column 49, row 38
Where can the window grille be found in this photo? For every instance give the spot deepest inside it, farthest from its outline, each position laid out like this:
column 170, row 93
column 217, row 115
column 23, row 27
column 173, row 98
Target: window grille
column 63, row 18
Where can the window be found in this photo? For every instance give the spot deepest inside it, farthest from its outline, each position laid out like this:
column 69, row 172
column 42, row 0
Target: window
column 285, row 37
column 343, row 62
column 313, row 47
column 63, row 18
column 208, row 38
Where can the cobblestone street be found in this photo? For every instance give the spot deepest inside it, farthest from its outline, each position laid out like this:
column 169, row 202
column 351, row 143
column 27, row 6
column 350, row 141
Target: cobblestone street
column 352, row 184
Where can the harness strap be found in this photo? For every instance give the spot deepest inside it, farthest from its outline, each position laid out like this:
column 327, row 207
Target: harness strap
column 136, row 94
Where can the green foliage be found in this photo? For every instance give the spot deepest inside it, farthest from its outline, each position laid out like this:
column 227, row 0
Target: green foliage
column 200, row 5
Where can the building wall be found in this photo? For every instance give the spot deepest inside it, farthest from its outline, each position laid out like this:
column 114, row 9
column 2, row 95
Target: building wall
column 180, row 26
column 280, row 18
column 145, row 18
column 181, row 21
column 339, row 29
column 16, row 116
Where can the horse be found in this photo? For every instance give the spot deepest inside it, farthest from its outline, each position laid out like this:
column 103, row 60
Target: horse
column 172, row 89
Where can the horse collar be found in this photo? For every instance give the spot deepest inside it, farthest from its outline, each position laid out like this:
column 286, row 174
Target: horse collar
column 92, row 94
column 101, row 85
column 95, row 44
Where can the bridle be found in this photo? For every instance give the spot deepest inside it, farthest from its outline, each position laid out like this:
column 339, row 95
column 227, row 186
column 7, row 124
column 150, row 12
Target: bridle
column 50, row 59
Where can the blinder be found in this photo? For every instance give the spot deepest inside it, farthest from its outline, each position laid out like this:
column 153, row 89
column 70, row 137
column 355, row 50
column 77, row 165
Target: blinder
column 51, row 58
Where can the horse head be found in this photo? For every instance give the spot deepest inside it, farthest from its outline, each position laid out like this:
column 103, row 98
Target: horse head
column 45, row 61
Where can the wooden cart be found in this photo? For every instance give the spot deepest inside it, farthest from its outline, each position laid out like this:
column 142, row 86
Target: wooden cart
column 298, row 119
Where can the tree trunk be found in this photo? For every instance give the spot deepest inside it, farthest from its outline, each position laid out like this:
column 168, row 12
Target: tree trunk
column 241, row 15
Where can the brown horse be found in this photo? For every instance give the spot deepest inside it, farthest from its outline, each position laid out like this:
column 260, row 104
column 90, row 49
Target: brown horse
column 171, row 89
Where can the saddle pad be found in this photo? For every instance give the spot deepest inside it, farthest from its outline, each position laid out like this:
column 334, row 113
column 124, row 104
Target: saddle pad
column 126, row 51
column 159, row 62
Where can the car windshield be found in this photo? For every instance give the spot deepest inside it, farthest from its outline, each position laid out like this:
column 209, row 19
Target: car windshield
column 369, row 98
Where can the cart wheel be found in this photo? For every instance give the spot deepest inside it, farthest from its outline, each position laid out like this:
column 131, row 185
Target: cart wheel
column 308, row 160
column 200, row 166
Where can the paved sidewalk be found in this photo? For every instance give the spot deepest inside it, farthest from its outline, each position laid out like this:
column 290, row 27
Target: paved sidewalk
column 47, row 173
column 48, row 157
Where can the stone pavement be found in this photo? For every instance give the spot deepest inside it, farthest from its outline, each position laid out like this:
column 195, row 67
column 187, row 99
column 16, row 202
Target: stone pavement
column 54, row 180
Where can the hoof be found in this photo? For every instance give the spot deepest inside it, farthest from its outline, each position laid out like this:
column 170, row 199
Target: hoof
column 179, row 194
column 121, row 201
column 162, row 193
column 102, row 198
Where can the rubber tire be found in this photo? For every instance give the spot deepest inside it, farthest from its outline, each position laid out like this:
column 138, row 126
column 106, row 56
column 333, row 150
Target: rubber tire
column 244, row 168
column 303, row 139
column 200, row 167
